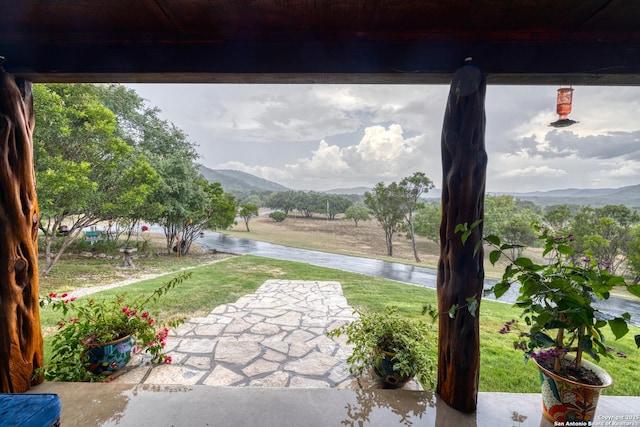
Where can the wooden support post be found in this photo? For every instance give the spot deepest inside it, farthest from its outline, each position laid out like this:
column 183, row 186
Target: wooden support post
column 460, row 269
column 21, row 346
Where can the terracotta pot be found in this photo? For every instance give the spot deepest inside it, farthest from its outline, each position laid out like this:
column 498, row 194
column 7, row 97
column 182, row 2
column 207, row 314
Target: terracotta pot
column 111, row 356
column 567, row 400
column 390, row 377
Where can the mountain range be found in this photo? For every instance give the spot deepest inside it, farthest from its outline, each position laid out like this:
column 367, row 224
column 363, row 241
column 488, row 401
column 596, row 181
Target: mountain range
column 239, row 183
column 242, row 183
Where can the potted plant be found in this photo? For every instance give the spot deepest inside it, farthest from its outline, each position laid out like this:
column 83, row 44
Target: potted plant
column 98, row 336
column 562, row 324
column 395, row 347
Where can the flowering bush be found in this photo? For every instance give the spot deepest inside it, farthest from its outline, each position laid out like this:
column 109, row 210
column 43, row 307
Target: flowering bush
column 557, row 301
column 92, row 322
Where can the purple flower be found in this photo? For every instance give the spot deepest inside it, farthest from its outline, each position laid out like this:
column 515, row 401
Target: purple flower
column 551, row 353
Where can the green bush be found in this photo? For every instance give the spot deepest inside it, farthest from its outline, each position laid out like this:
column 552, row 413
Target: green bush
column 278, row 216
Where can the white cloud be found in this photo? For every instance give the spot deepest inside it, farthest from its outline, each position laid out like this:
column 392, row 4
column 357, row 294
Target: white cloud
column 535, row 171
column 272, row 174
column 327, row 136
column 383, row 154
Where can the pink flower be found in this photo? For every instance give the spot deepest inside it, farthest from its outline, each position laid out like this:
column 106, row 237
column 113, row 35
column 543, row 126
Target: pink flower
column 60, row 323
column 150, row 321
column 145, row 314
column 73, row 320
column 72, row 299
column 64, row 295
column 167, row 360
column 53, row 295
column 125, row 309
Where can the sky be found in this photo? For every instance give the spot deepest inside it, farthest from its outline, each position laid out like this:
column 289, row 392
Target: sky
column 322, row 137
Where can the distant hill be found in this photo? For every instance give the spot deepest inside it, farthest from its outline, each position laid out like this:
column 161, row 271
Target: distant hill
column 628, row 196
column 354, row 190
column 240, row 183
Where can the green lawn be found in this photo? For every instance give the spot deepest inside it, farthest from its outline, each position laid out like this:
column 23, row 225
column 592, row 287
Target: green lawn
column 226, row 281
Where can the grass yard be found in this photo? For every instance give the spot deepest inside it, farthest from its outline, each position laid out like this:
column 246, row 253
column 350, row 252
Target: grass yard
column 225, row 281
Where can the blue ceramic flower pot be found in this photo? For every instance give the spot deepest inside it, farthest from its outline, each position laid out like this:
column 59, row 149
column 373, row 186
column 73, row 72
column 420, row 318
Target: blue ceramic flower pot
column 111, row 356
column 389, row 376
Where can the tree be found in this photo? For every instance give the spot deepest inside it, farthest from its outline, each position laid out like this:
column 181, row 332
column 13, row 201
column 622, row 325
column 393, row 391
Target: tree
column 517, row 231
column 218, row 211
column 497, row 211
column 254, row 199
column 357, row 213
column 633, row 259
column 427, row 221
column 284, row 201
column 248, row 211
column 558, row 217
column 85, row 173
column 333, row 204
column 222, row 210
column 604, row 234
column 413, row 188
column 385, row 203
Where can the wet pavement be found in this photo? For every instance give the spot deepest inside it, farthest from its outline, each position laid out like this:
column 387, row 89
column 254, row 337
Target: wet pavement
column 274, row 337
column 123, row 405
column 411, row 274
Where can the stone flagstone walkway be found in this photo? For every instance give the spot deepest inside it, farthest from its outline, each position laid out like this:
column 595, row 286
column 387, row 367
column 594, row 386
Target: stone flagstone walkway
column 272, row 338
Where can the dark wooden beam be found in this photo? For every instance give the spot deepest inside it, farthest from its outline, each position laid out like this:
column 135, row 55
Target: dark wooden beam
column 21, row 348
column 460, row 267
column 309, row 61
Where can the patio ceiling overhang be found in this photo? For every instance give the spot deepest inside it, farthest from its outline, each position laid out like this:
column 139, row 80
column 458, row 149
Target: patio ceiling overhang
column 306, row 41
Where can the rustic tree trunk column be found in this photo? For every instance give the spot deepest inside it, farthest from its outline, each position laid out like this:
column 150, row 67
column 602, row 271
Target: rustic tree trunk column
column 460, row 270
column 21, row 346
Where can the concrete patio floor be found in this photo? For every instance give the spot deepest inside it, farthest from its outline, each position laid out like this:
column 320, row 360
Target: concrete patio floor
column 112, row 404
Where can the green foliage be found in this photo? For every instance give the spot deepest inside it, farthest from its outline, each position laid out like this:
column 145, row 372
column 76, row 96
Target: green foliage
column 278, row 216
column 377, row 332
column 308, row 203
column 357, row 213
column 413, row 187
column 556, row 300
column 427, row 221
column 108, row 247
column 510, row 218
column 634, row 252
column 558, row 218
column 604, row 234
column 386, row 205
column 85, row 171
column 90, row 322
column 248, row 211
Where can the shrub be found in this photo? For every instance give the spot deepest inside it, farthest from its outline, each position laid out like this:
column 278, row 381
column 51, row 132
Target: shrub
column 278, row 216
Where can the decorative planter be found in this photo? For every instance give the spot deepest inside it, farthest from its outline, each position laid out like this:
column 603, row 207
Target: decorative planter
column 111, row 356
column 390, row 377
column 566, row 400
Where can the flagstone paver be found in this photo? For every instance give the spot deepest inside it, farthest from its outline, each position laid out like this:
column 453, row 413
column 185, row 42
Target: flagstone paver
column 274, row 337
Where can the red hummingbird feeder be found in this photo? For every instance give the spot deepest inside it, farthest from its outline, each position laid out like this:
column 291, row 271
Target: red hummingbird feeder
column 563, row 108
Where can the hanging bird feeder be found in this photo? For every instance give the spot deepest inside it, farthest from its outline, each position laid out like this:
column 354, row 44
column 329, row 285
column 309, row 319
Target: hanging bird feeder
column 563, row 108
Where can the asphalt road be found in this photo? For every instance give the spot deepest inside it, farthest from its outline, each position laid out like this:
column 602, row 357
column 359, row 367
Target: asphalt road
column 415, row 275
